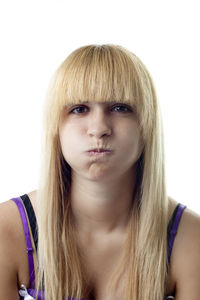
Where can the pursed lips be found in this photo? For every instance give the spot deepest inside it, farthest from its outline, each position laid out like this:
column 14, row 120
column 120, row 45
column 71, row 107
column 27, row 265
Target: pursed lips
column 99, row 152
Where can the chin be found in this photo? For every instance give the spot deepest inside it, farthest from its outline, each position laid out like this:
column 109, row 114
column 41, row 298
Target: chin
column 101, row 174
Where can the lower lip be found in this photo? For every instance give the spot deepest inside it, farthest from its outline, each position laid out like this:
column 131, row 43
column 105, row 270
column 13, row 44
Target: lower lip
column 103, row 153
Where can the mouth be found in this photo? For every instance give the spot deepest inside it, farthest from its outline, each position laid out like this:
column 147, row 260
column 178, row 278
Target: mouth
column 99, row 151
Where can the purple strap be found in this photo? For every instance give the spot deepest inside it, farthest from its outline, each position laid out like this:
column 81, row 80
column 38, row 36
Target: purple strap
column 29, row 247
column 174, row 229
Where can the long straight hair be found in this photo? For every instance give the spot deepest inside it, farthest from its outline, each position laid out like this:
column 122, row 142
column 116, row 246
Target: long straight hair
column 103, row 73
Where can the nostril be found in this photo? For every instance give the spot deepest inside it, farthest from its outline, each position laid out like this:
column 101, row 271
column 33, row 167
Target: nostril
column 99, row 132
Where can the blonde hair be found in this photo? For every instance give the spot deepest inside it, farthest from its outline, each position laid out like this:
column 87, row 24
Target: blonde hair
column 103, row 73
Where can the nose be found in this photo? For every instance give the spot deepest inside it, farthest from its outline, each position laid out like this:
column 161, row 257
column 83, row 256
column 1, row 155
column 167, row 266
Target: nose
column 99, row 125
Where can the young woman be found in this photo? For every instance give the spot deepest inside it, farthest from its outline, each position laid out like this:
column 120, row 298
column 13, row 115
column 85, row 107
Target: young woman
column 106, row 225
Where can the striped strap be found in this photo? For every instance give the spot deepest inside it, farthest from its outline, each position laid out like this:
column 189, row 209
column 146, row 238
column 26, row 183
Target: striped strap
column 31, row 217
column 29, row 247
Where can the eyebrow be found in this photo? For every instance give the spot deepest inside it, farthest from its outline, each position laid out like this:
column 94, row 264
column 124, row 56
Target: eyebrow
column 104, row 103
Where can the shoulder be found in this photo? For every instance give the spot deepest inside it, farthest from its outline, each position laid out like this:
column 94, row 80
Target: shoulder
column 11, row 228
column 8, row 221
column 8, row 250
column 11, row 231
column 185, row 259
column 188, row 237
column 13, row 258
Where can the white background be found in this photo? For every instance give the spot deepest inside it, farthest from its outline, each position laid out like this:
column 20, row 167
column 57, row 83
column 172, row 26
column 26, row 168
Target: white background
column 36, row 36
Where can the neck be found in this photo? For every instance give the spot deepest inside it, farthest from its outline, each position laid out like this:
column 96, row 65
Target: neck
column 102, row 207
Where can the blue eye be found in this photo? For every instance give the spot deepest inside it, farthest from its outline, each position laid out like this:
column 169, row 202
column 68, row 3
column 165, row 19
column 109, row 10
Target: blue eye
column 121, row 108
column 79, row 110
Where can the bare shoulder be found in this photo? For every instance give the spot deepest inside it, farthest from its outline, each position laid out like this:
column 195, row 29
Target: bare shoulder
column 8, row 250
column 13, row 258
column 8, row 221
column 188, row 234
column 185, row 260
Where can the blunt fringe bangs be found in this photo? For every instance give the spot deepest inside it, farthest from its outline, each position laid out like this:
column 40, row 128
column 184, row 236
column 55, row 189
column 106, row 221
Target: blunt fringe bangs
column 102, row 74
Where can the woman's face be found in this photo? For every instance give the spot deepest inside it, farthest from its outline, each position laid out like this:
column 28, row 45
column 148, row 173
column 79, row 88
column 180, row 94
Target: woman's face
column 100, row 141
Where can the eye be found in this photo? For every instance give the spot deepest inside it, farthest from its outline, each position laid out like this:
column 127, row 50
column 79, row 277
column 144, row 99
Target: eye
column 121, row 108
column 79, row 110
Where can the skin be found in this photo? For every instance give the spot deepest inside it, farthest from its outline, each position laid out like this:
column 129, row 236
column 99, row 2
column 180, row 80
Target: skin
column 101, row 189
column 105, row 183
